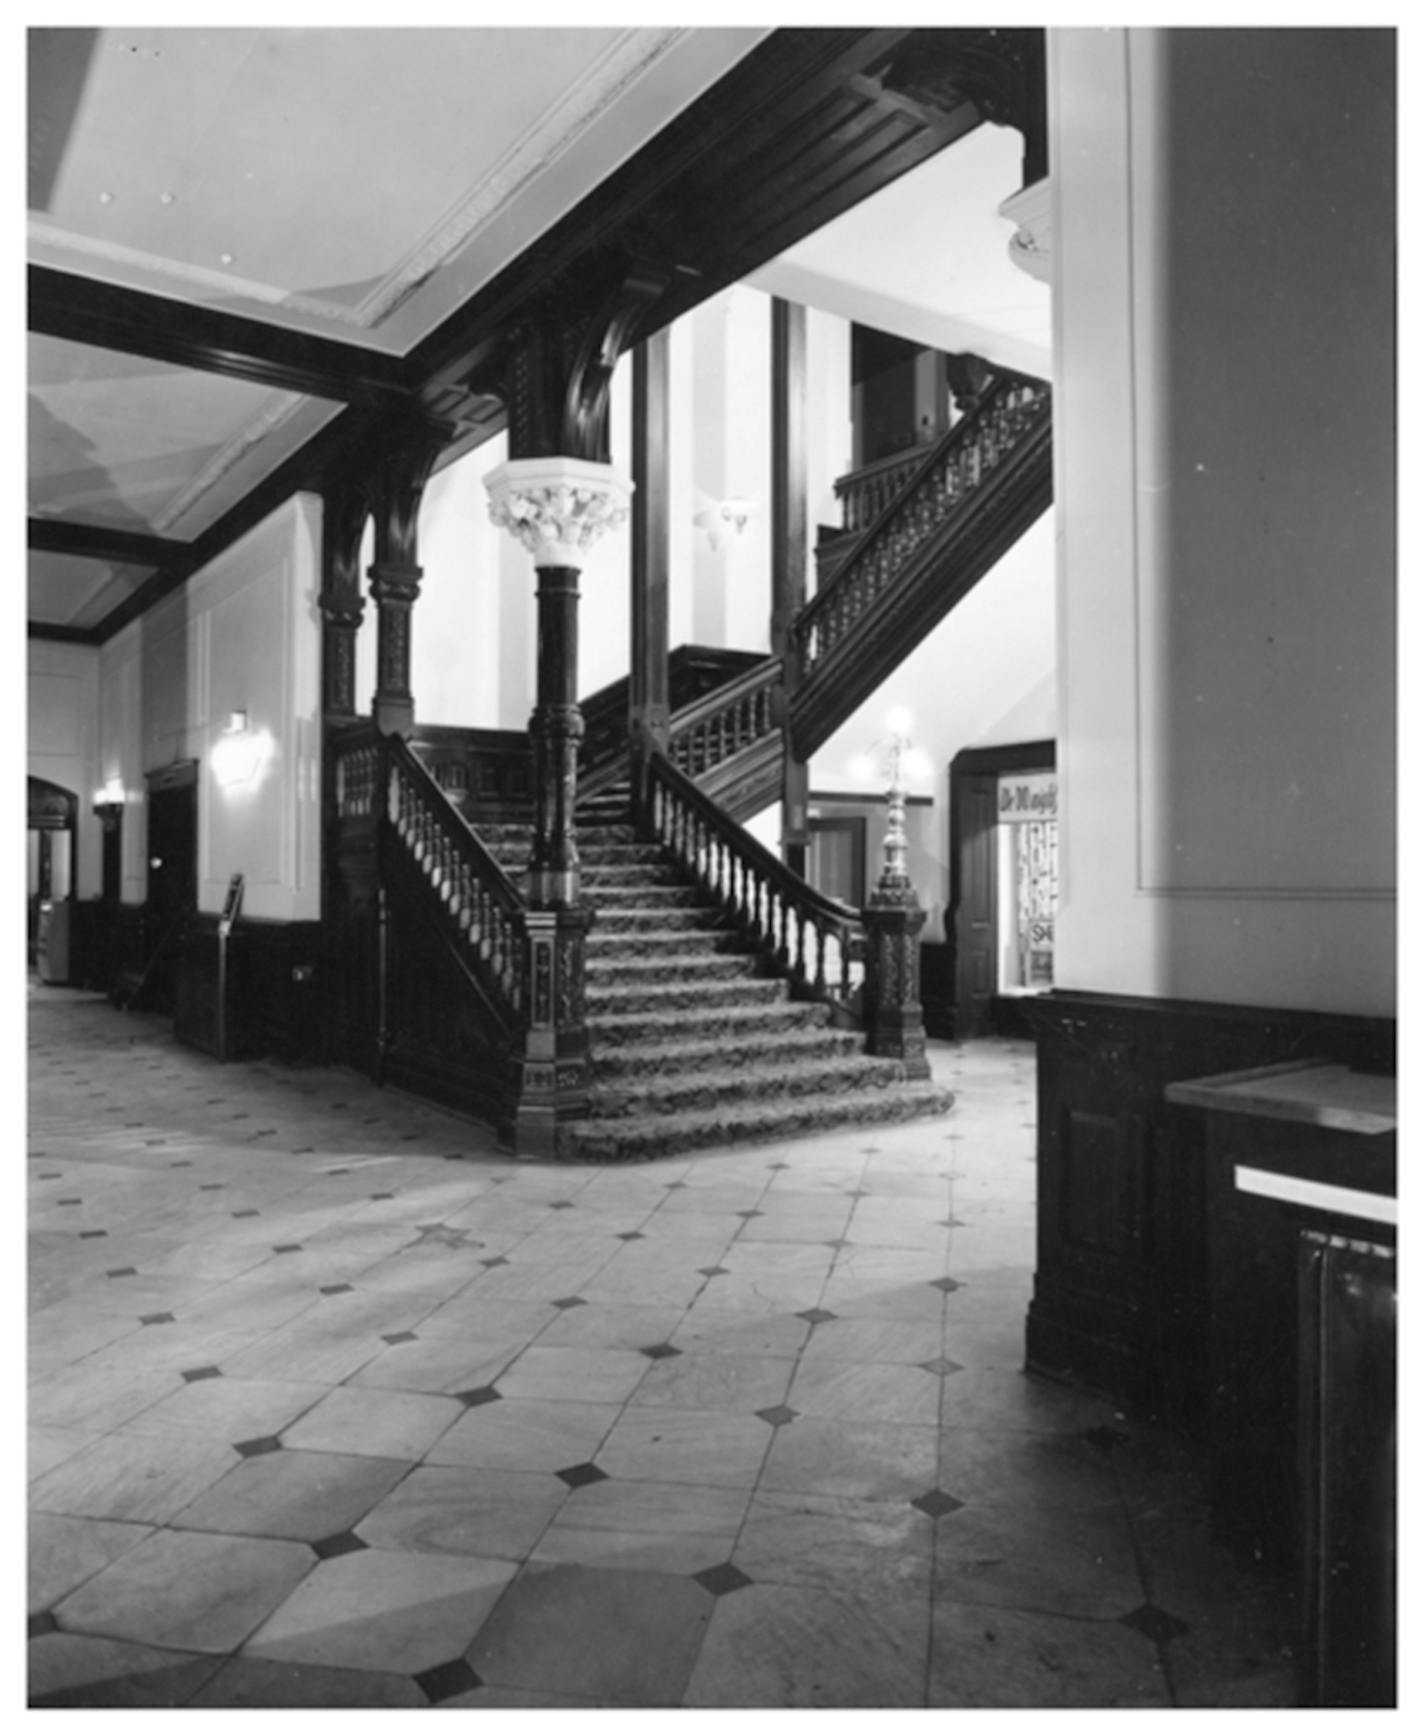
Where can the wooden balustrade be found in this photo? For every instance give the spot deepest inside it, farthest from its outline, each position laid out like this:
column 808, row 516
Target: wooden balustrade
column 735, row 716
column 483, row 908
column 866, row 493
column 817, row 940
column 934, row 488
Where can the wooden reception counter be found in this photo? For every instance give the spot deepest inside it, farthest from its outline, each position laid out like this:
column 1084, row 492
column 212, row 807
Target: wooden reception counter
column 1302, row 1209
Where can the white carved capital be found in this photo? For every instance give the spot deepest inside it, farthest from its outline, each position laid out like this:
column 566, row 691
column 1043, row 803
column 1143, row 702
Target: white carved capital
column 1031, row 249
column 557, row 507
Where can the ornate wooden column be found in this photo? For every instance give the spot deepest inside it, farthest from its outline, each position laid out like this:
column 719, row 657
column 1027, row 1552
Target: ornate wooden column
column 788, row 549
column 557, row 508
column 397, row 487
column 341, row 603
column 648, row 706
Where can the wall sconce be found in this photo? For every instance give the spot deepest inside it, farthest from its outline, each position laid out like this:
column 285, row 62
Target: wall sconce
column 899, row 762
column 239, row 753
column 110, row 795
column 724, row 520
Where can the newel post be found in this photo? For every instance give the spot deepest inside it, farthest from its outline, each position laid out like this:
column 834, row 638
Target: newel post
column 557, row 508
column 894, row 1019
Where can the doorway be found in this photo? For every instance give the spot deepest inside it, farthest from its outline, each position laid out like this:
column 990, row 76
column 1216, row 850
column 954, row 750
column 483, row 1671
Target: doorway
column 1003, row 882
column 172, row 806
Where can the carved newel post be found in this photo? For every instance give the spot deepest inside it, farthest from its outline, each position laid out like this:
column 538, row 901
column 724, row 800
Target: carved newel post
column 557, row 508
column 893, row 919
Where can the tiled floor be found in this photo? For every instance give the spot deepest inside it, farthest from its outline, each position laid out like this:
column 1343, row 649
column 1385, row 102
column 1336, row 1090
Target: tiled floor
column 332, row 1404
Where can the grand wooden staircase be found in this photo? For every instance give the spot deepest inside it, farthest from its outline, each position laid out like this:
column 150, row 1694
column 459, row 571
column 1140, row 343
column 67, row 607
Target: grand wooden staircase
column 706, row 995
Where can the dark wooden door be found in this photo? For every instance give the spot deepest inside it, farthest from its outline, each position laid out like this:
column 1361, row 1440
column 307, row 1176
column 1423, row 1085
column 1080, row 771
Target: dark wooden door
column 172, row 886
column 975, row 895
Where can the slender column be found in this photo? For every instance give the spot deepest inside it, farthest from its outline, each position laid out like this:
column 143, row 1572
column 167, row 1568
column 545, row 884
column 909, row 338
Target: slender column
column 342, row 606
column 397, row 489
column 789, row 547
column 648, row 704
column 557, row 508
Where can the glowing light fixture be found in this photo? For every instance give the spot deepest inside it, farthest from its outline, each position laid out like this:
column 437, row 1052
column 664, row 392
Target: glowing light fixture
column 725, row 520
column 240, row 753
column 899, row 763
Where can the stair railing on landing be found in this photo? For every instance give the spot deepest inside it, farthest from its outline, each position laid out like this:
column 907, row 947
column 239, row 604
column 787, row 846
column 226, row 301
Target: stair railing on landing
column 725, row 721
column 819, row 942
column 942, row 486
column 483, row 910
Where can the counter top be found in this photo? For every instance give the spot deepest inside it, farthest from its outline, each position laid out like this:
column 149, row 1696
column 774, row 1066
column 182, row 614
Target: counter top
column 1319, row 1093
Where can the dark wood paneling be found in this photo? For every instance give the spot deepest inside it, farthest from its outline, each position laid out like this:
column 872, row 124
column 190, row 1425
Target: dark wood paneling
column 1120, row 1299
column 272, row 1005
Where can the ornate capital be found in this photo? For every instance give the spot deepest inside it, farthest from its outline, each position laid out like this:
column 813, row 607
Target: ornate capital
column 1031, row 249
column 557, row 507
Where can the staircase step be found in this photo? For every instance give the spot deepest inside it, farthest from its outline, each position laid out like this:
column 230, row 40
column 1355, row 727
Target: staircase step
column 631, row 919
column 639, row 1138
column 598, row 876
column 618, row 999
column 663, row 943
column 643, row 894
column 677, row 1093
column 617, row 968
column 756, row 1046
column 703, row 1023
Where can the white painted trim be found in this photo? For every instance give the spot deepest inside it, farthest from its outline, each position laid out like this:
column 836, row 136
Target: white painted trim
column 1348, row 1202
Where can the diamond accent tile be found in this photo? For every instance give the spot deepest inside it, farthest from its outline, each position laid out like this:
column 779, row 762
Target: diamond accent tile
column 561, row 1205
column 42, row 1622
column 778, row 1166
column 816, row 1316
column 343, row 1171
column 749, row 1215
column 288, row 1248
column 493, row 1261
column 948, row 1285
column 936, row 1503
column 656, row 1352
column 779, row 1415
column 941, row 1365
column 91, row 1235
column 445, row 1681
column 155, row 1319
column 383, row 1196
column 478, row 1395
column 713, row 1271
column 569, row 1302
column 341, row 1543
column 398, row 1338
column 336, row 1289
column 1155, row 1624
column 255, row 1448
column 630, row 1236
column 249, row 1212
column 580, row 1476
column 723, row 1578
column 837, row 1242
column 209, row 1373
column 123, row 1272
column 673, row 1186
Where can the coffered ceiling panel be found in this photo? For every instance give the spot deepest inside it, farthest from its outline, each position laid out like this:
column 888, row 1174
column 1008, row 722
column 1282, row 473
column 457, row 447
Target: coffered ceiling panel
column 67, row 592
column 127, row 443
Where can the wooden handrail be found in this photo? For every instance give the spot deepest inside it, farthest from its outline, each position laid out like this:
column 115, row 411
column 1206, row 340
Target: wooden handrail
column 940, row 488
column 818, row 941
column 725, row 721
column 483, row 907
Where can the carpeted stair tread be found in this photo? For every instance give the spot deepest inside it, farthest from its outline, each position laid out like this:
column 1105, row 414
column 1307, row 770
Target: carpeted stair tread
column 609, row 1029
column 665, row 966
column 635, row 1139
column 755, row 1047
column 676, row 1093
column 699, row 991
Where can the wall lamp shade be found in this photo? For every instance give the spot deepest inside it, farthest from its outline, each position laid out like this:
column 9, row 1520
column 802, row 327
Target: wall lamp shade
column 725, row 520
column 240, row 753
column 111, row 794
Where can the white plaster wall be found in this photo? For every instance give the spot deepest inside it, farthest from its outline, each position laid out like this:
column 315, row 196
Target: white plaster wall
column 1223, row 223
column 992, row 656
column 63, row 741
column 244, row 635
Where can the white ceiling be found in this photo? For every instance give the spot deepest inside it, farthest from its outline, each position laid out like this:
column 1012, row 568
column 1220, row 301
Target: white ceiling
column 927, row 258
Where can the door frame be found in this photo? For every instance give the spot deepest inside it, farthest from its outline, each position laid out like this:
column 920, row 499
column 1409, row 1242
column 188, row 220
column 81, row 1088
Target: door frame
column 969, row 771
